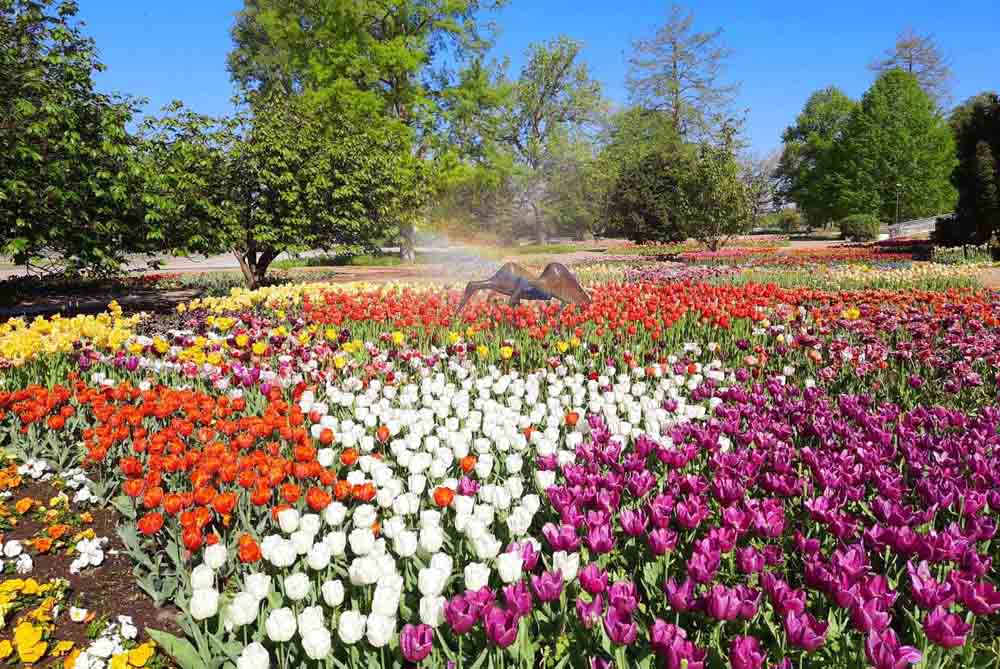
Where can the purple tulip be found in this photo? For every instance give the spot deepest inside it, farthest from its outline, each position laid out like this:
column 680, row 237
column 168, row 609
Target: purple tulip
column 662, row 635
column 868, row 616
column 467, row 486
column 745, row 653
column 517, row 596
column 749, row 560
column 593, row 579
column 927, row 592
column 681, row 597
column 501, row 626
column 601, row 539
column 601, row 663
column 547, row 586
column 945, row 629
column 981, row 598
column 633, row 522
column 702, row 566
column 620, row 627
column 416, row 641
column 722, row 603
column 624, row 595
column 590, row 612
column 884, row 652
column 561, row 538
column 661, row 541
column 460, row 614
column 804, row 631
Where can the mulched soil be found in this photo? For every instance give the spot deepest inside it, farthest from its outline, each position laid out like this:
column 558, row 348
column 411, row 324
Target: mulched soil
column 108, row 590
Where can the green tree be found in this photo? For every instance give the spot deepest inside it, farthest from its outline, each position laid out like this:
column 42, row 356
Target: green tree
column 679, row 72
column 639, row 176
column 976, row 125
column 277, row 179
column 391, row 62
column 921, row 56
column 717, row 203
column 896, row 148
column 808, row 155
column 553, row 98
column 67, row 174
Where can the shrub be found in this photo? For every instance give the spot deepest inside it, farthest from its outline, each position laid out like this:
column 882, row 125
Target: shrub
column 859, row 227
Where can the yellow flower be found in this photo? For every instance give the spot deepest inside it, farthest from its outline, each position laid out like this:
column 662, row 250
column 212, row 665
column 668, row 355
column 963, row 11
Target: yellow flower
column 482, row 351
column 259, row 347
column 5, row 649
column 160, row 345
column 242, row 340
column 28, row 642
column 453, row 337
column 339, row 362
column 30, row 587
column 574, row 342
column 138, row 657
column 506, row 352
column 61, row 648
column 398, row 337
column 470, row 332
column 119, row 661
column 562, row 346
column 331, row 334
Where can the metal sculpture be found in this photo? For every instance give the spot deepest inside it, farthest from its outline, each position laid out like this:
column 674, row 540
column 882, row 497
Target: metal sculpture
column 514, row 281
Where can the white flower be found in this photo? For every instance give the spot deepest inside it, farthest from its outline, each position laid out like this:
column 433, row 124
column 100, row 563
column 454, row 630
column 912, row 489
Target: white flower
column 519, row 521
column 126, row 627
column 282, row 553
column 337, row 541
column 486, row 547
column 318, row 557
column 333, row 593
column 431, row 539
column 317, row 643
column 215, row 556
column 297, row 586
column 509, row 566
column 204, row 603
column 380, row 630
column 351, row 626
column 544, row 479
column 202, row 577
column 24, row 565
column 362, row 541
column 301, row 541
column 567, row 563
column 310, row 522
column 364, row 516
column 242, row 610
column 311, row 618
column 334, row 514
column 363, row 570
column 477, row 576
column 325, row 457
column 77, row 615
column 431, row 581
column 288, row 520
column 442, row 561
column 253, row 656
column 280, row 624
column 385, row 601
column 405, row 543
column 432, row 610
column 258, row 584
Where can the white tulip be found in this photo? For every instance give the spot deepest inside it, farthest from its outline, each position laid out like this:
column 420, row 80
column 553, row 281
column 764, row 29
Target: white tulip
column 280, row 624
column 311, row 618
column 477, row 576
column 333, row 593
column 567, row 563
column 258, row 585
column 337, row 541
column 253, row 656
column 362, row 541
column 317, row 643
column 431, row 581
column 334, row 514
column 204, row 603
column 381, row 629
column 431, row 539
column 442, row 561
column 432, row 610
column 509, row 566
column 351, row 627
column 363, row 571
column 301, row 541
column 318, row 557
column 202, row 577
column 297, row 586
column 310, row 522
column 215, row 556
column 243, row 609
column 288, row 520
column 405, row 544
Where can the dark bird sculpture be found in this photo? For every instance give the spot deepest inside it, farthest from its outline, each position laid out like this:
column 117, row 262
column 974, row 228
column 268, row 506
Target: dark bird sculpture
column 514, row 281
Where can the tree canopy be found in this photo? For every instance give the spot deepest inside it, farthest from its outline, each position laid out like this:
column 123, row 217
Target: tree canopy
column 921, row 56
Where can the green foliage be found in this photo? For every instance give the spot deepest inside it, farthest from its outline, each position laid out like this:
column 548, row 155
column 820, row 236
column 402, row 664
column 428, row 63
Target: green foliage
column 808, row 154
column 894, row 144
column 859, row 227
column 963, row 255
column 276, row 179
column 717, row 204
column 67, row 175
column 976, row 124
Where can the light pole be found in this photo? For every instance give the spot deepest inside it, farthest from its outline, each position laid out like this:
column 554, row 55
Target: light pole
column 898, row 186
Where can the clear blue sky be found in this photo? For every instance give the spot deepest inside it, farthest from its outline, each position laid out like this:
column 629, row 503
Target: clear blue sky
column 783, row 50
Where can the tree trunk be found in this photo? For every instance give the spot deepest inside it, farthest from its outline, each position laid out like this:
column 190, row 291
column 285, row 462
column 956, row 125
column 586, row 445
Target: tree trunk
column 407, row 243
column 539, row 225
column 254, row 266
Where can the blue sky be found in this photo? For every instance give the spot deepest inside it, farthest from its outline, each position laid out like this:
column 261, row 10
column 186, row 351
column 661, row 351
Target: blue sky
column 783, row 50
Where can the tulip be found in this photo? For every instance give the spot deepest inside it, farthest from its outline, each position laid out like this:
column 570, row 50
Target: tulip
column 518, row 598
column 501, row 626
column 461, row 614
column 804, row 631
column 593, row 579
column 620, row 627
column 981, row 598
column 745, row 653
column 416, row 642
column 945, row 629
column 590, row 612
column 884, row 652
column 547, row 586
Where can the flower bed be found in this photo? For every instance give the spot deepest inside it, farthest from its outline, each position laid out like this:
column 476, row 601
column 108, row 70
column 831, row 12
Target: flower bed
column 679, row 474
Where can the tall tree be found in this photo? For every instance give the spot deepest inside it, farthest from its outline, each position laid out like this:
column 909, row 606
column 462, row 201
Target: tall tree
column 553, row 97
column 274, row 180
column 976, row 124
column 758, row 175
column 717, row 204
column 921, row 56
column 896, row 149
column 679, row 72
column 377, row 61
column 808, row 155
column 67, row 177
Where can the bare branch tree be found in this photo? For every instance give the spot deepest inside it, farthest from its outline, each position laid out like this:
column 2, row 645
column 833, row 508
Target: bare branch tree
column 921, row 56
